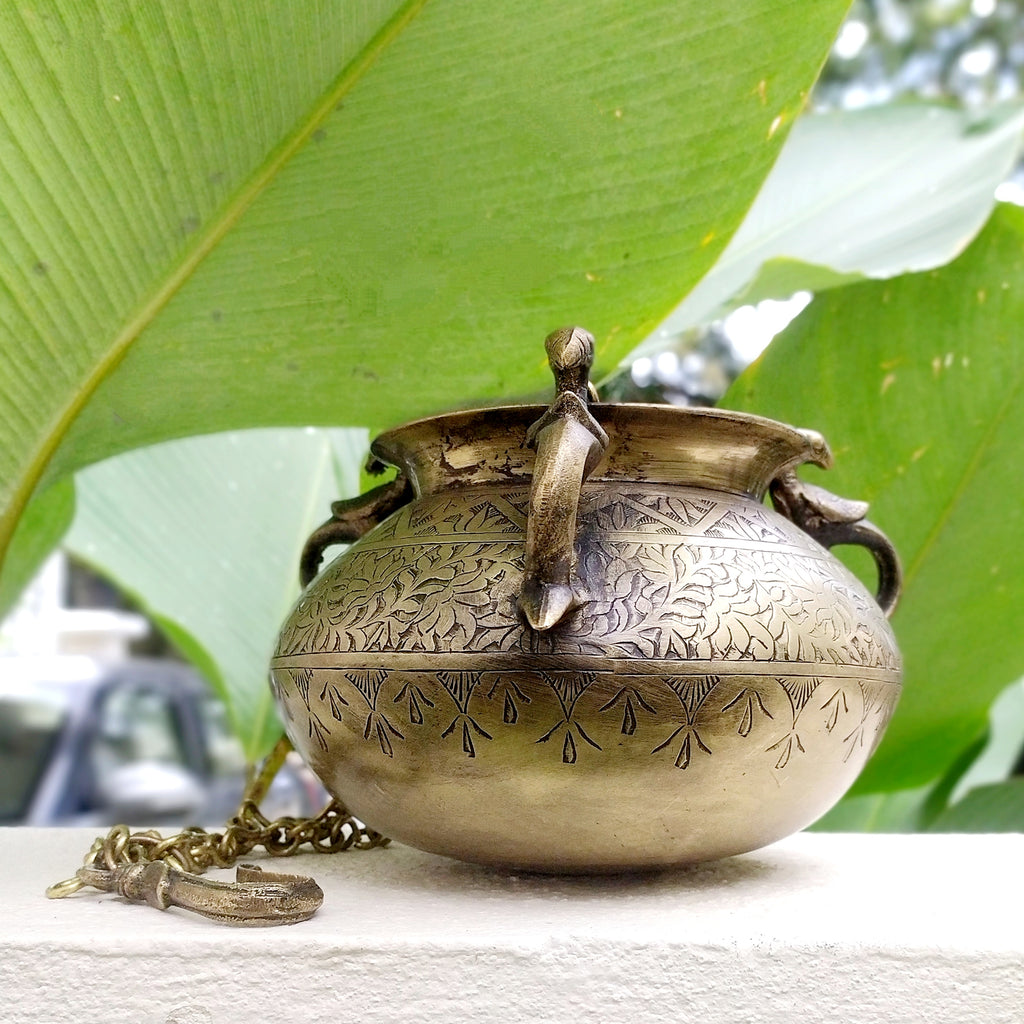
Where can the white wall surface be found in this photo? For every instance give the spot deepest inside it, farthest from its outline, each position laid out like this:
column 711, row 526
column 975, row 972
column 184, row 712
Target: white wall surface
column 817, row 928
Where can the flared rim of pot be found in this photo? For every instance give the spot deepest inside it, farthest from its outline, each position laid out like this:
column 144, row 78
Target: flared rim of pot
column 715, row 448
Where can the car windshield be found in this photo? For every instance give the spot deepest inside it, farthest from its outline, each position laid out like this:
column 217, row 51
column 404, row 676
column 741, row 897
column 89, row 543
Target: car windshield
column 29, row 728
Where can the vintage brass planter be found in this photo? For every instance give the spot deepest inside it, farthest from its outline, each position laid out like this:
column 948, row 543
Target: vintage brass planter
column 576, row 639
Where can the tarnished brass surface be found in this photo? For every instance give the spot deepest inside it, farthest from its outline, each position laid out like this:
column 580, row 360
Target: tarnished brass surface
column 255, row 898
column 695, row 676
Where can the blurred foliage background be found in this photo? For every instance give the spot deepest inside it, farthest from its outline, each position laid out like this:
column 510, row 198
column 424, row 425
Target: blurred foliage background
column 857, row 250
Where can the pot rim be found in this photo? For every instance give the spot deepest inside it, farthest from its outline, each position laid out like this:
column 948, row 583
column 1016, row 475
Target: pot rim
column 650, row 408
column 716, row 448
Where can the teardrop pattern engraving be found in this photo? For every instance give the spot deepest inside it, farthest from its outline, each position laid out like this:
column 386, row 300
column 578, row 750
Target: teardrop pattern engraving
column 464, row 704
column 726, row 624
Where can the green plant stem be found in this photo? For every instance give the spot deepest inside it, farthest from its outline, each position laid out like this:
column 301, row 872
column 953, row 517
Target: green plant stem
column 257, row 786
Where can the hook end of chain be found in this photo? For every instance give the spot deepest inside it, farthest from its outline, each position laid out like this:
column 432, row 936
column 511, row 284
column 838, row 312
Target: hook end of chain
column 145, row 868
column 68, row 887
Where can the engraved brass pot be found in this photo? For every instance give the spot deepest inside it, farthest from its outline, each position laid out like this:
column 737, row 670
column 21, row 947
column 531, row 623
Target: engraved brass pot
column 576, row 639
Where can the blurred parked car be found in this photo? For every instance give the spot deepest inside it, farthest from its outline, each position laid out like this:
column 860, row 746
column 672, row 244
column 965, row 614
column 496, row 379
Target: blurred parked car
column 138, row 741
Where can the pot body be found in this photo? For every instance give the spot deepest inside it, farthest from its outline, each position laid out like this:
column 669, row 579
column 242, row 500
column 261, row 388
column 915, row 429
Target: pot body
column 719, row 686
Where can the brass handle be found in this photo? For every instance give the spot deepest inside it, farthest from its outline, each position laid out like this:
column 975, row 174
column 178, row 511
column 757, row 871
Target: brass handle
column 350, row 519
column 569, row 443
column 832, row 520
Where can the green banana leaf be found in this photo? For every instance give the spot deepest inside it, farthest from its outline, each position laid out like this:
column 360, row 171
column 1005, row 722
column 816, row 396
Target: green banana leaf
column 867, row 193
column 295, row 212
column 205, row 533
column 998, row 807
column 918, row 383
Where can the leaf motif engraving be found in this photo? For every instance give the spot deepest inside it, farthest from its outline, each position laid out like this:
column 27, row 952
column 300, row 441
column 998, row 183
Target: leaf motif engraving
column 416, row 698
column 378, row 724
column 631, row 698
column 799, row 690
column 692, row 692
column 751, row 697
column 839, row 705
column 368, row 682
column 513, row 696
column 874, row 701
column 469, row 726
column 568, row 687
column 333, row 695
column 689, row 733
column 751, row 524
column 302, row 677
column 460, row 686
column 318, row 731
column 786, row 746
column 741, row 597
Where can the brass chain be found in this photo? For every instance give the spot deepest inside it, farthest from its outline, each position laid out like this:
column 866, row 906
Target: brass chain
column 195, row 850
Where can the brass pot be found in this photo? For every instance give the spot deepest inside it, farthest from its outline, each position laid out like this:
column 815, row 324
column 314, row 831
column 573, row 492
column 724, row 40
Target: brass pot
column 576, row 639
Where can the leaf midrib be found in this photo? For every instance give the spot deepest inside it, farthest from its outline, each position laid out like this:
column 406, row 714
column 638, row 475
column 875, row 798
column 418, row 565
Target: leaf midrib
column 205, row 243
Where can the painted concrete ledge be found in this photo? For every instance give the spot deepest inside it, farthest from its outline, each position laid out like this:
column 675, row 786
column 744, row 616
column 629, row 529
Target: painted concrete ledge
column 818, row 928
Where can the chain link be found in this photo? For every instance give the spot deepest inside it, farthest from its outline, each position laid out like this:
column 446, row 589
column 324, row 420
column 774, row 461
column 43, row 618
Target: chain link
column 195, row 850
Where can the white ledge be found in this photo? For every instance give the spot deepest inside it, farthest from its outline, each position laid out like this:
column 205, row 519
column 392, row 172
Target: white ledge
column 817, row 928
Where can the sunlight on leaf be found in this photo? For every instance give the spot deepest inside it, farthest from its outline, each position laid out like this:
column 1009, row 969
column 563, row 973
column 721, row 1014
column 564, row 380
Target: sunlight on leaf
column 297, row 211
column 872, row 193
column 40, row 530
column 1004, row 746
column 206, row 534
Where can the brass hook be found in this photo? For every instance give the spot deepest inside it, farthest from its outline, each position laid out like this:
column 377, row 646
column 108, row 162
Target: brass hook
column 255, row 898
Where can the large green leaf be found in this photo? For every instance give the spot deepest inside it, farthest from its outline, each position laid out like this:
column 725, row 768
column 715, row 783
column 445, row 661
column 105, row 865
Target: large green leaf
column 995, row 808
column 872, row 193
column 900, row 811
column 919, row 385
column 217, row 215
column 1004, row 743
column 206, row 532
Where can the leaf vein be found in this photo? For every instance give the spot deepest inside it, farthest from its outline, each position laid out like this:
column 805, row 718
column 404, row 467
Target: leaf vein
column 205, row 243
